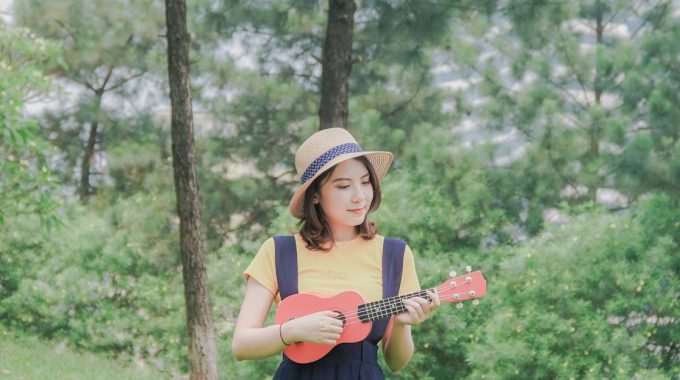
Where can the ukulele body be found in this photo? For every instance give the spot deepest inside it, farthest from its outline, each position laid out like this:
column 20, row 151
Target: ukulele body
column 301, row 304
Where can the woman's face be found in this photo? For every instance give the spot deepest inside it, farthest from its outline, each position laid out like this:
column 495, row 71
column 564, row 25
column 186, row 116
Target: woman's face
column 346, row 196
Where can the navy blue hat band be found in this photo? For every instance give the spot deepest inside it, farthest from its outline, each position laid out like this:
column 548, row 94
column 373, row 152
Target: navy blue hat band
column 327, row 157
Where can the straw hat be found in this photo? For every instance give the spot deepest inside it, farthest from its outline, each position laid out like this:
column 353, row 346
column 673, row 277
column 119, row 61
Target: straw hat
column 324, row 149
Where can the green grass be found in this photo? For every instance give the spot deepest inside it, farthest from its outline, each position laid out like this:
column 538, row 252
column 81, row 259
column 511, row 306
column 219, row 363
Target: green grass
column 28, row 358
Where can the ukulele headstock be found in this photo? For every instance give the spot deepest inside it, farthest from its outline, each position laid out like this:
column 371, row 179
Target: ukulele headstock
column 469, row 286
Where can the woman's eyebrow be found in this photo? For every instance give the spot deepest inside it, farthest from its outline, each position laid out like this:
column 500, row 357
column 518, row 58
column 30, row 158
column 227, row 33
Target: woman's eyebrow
column 347, row 179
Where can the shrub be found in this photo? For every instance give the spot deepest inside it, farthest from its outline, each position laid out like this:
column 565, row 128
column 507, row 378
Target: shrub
column 596, row 298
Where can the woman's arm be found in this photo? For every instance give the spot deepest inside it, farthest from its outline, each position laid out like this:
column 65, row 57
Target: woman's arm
column 398, row 345
column 397, row 342
column 253, row 341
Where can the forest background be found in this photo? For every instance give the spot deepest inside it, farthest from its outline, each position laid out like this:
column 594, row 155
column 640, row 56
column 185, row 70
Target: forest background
column 537, row 141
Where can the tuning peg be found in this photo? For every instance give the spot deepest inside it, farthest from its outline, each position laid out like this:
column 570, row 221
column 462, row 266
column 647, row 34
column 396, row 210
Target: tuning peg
column 468, row 269
column 475, row 302
column 452, row 273
column 459, row 305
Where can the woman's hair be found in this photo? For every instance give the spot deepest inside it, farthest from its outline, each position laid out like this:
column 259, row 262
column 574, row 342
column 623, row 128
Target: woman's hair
column 315, row 230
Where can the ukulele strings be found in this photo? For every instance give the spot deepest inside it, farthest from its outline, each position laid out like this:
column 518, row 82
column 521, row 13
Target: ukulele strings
column 354, row 316
column 394, row 300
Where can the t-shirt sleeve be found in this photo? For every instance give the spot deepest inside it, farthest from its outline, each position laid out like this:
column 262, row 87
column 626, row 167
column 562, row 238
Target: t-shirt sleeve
column 262, row 267
column 409, row 277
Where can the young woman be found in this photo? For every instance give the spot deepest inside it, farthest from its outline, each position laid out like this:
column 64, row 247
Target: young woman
column 336, row 249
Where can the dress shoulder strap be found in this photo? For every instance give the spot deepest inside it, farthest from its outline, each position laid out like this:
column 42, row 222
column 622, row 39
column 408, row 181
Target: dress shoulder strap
column 286, row 265
column 392, row 266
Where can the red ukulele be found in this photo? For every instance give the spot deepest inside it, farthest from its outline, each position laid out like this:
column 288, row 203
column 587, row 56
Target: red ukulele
column 357, row 315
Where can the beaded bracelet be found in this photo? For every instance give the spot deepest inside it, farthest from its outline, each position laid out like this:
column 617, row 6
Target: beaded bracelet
column 281, row 335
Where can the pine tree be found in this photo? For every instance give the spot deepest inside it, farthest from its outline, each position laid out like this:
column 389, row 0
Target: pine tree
column 575, row 80
column 107, row 46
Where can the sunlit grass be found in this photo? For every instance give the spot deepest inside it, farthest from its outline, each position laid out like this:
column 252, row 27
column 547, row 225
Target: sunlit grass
column 28, row 358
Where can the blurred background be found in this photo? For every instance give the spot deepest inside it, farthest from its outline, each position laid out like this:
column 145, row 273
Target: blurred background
column 536, row 141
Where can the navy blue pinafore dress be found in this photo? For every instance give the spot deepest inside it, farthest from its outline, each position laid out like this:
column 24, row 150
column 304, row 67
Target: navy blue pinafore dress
column 346, row 360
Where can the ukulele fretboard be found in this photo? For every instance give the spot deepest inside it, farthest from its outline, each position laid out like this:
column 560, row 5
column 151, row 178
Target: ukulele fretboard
column 387, row 307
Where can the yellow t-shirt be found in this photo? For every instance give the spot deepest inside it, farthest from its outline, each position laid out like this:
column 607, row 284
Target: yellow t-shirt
column 351, row 265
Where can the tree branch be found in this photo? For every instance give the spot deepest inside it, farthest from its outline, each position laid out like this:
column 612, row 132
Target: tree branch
column 125, row 80
column 579, row 79
column 109, row 73
column 402, row 106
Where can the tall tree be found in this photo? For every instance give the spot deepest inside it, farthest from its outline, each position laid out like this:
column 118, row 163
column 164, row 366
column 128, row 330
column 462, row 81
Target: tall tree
column 574, row 80
column 202, row 349
column 336, row 64
column 103, row 51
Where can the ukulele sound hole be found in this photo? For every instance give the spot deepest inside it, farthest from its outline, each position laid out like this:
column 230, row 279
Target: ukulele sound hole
column 341, row 317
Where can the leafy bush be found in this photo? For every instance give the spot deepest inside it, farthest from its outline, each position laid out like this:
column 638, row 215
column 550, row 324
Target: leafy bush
column 24, row 165
column 110, row 281
column 102, row 282
column 596, row 298
column 438, row 199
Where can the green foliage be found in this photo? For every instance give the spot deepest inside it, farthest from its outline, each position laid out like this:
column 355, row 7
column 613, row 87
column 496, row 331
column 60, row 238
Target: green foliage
column 652, row 159
column 596, row 298
column 434, row 191
column 104, row 282
column 594, row 98
column 659, row 218
column 419, row 210
column 245, row 170
column 110, row 281
column 122, row 36
column 104, row 52
column 26, row 174
column 139, row 157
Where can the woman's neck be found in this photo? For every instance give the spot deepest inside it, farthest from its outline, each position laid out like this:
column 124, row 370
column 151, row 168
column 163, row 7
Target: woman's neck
column 345, row 234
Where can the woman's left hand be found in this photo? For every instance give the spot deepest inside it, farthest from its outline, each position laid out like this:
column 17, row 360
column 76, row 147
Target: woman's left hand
column 418, row 309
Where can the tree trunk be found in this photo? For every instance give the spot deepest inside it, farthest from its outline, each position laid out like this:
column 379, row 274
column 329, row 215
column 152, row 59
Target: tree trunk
column 592, row 156
column 88, row 156
column 202, row 350
column 336, row 64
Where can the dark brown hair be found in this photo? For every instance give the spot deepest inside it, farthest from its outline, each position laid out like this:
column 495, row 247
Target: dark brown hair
column 315, row 230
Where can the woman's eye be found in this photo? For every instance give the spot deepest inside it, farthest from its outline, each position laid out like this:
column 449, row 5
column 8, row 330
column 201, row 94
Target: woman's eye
column 343, row 187
column 366, row 183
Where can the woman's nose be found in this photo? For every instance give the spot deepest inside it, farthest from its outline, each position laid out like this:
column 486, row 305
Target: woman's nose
column 358, row 195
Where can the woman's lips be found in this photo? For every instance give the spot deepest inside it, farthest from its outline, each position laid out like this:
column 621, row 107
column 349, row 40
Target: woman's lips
column 358, row 211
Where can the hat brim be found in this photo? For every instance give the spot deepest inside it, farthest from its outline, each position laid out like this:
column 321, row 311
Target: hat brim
column 381, row 162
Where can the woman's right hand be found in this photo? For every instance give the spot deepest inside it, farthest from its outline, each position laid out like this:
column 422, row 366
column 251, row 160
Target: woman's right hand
column 322, row 327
